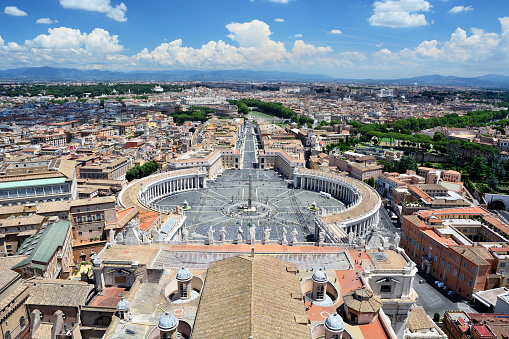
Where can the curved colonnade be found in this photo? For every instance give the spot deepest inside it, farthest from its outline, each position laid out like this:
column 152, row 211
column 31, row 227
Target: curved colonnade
column 359, row 217
column 145, row 192
column 363, row 203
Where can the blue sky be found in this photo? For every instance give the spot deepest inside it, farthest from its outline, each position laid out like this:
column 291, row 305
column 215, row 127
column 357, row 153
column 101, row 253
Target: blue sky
column 346, row 39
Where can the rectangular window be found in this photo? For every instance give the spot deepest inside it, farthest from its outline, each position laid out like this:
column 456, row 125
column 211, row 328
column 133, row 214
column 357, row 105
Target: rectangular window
column 457, row 259
column 436, row 258
column 120, row 279
column 462, row 277
column 464, row 265
column 448, row 267
column 455, row 272
column 470, row 282
column 385, row 289
column 450, row 255
column 443, row 263
column 183, row 291
column 473, row 270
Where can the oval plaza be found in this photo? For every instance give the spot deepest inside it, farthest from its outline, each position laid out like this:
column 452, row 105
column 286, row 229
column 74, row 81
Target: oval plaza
column 352, row 207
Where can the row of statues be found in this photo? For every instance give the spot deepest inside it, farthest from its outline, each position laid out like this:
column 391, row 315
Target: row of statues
column 252, row 234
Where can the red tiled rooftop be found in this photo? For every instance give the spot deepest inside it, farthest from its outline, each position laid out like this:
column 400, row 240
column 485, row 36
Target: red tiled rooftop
column 121, row 215
column 426, row 214
column 502, row 226
column 483, row 331
column 437, row 238
column 109, row 298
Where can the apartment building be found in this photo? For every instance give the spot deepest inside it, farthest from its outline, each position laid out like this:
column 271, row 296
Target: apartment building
column 386, row 182
column 37, row 181
column 107, row 169
column 446, row 244
column 359, row 166
column 57, row 139
column 89, row 217
column 48, row 251
column 425, row 197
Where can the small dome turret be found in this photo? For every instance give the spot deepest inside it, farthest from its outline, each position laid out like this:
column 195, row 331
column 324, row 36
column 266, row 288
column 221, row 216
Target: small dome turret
column 123, row 305
column 320, row 276
column 168, row 322
column 334, row 323
column 184, row 274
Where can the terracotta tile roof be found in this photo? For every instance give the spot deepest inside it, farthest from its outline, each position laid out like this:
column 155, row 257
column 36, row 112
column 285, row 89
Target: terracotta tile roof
column 247, row 296
column 473, row 254
column 56, row 292
column 418, row 319
column 362, row 300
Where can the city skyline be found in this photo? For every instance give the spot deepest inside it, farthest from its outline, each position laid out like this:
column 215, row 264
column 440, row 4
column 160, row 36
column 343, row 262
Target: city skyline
column 365, row 39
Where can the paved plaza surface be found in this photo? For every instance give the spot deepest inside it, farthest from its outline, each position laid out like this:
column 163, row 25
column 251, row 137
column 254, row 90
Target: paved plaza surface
column 435, row 299
column 224, row 200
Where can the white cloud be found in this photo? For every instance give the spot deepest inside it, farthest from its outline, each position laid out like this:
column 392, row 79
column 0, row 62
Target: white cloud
column 116, row 13
column 64, row 46
column 468, row 54
column 459, row 9
column 335, row 31
column 250, row 34
column 301, row 48
column 280, row 1
column 46, row 21
column 279, row 20
column 256, row 49
column 298, row 35
column 14, row 11
column 68, row 47
column 399, row 13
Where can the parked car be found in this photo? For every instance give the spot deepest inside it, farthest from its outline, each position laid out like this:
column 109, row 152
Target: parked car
column 440, row 284
column 446, row 288
column 451, row 293
column 422, row 281
column 437, row 282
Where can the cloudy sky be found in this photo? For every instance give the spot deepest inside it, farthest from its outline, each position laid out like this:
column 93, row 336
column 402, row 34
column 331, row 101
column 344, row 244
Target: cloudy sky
column 342, row 38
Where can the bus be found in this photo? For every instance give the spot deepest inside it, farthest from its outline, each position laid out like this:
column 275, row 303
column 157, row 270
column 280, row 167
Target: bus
column 325, row 195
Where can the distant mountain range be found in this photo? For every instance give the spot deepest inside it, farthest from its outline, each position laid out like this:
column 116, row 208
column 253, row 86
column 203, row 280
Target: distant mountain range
column 71, row 74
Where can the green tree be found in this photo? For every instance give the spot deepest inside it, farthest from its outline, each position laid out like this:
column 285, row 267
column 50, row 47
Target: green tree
column 479, row 168
column 407, row 162
column 492, row 181
column 439, row 137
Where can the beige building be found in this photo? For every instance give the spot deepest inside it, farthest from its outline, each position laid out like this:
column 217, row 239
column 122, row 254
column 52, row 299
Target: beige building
column 13, row 231
column 90, row 216
column 359, row 166
column 14, row 319
column 107, row 169
column 37, row 181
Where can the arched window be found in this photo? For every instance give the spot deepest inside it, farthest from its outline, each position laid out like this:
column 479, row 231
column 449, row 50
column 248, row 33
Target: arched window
column 319, row 292
column 7, row 335
column 22, row 322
